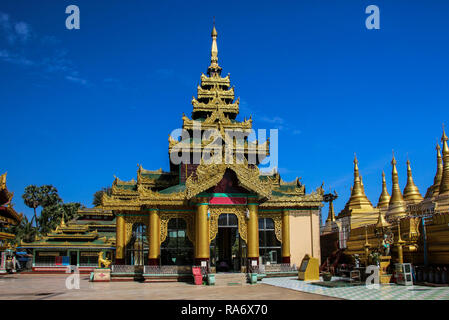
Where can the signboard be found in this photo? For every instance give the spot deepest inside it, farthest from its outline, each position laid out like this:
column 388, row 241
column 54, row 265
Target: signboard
column 48, row 254
column 89, row 254
column 303, row 266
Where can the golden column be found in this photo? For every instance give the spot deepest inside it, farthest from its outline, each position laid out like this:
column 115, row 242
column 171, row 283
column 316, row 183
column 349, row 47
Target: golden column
column 400, row 243
column 202, row 246
column 253, row 234
column 155, row 237
column 285, row 237
column 120, row 239
column 367, row 245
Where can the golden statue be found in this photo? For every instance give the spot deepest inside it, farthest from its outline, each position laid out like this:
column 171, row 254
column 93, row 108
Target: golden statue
column 103, row 261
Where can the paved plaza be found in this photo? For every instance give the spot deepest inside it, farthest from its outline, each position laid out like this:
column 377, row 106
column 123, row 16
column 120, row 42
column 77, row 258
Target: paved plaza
column 385, row 292
column 52, row 287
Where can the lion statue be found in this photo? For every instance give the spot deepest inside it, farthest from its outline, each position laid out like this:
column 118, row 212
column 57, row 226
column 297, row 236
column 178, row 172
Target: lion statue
column 103, row 261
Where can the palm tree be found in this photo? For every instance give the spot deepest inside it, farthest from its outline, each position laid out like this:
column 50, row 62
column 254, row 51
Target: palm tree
column 44, row 196
column 24, row 231
column 32, row 198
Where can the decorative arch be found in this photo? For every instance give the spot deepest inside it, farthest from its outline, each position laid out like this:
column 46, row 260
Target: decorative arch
column 239, row 211
column 130, row 221
column 277, row 218
column 187, row 217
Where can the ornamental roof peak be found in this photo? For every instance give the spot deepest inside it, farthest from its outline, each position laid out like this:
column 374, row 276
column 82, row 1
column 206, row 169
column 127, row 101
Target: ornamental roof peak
column 214, row 69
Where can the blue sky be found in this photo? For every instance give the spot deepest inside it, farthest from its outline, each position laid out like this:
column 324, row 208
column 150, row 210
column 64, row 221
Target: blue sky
column 79, row 106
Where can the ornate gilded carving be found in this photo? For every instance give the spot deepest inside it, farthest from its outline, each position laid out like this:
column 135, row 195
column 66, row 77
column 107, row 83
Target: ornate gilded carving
column 215, row 212
column 209, row 175
column 130, row 220
column 188, row 218
column 277, row 219
column 103, row 261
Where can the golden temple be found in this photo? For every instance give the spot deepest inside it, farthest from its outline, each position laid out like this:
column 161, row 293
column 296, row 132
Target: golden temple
column 226, row 214
column 419, row 224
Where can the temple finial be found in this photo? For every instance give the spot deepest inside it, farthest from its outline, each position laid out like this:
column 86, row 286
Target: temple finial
column 384, row 198
column 214, row 68
column 444, row 185
column 444, row 137
column 411, row 191
column 396, row 206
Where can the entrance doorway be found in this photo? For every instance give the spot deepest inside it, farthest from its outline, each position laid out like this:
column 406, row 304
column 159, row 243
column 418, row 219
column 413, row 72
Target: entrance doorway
column 228, row 250
column 137, row 248
column 73, row 258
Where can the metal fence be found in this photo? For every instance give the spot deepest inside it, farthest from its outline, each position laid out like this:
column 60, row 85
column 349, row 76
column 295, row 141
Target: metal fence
column 118, row 268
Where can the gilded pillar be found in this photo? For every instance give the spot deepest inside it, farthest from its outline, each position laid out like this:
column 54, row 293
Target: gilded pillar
column 120, row 239
column 155, row 243
column 253, row 234
column 202, row 246
column 285, row 237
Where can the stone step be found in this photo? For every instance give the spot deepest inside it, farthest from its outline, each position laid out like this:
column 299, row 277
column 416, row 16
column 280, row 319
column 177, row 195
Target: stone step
column 229, row 279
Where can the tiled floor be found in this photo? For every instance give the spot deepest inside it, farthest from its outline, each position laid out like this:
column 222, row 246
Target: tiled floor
column 43, row 287
column 385, row 292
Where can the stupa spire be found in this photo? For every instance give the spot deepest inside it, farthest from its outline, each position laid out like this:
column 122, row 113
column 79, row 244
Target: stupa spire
column 396, row 206
column 411, row 191
column 434, row 189
column 331, row 215
column 396, row 195
column 358, row 197
column 384, row 198
column 381, row 222
column 214, row 68
column 444, row 185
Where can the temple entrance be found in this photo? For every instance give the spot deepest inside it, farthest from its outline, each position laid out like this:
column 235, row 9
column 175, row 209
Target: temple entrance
column 227, row 249
column 137, row 248
column 177, row 249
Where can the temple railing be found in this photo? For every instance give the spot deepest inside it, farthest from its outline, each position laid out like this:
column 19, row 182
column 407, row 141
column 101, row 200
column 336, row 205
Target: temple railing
column 168, row 270
column 152, row 270
column 122, row 268
column 277, row 268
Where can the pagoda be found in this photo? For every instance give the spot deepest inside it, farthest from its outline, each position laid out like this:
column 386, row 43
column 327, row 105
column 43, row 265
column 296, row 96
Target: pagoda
column 214, row 207
column 8, row 216
column 76, row 242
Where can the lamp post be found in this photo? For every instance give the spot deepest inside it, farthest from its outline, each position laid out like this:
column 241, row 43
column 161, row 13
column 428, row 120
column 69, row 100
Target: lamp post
column 367, row 245
column 400, row 243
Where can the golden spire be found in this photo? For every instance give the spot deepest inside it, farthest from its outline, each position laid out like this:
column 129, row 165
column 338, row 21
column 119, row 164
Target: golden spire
column 411, row 191
column 444, row 185
column 3, row 181
column 396, row 206
column 358, row 197
column 384, row 198
column 381, row 222
column 434, row 189
column 214, row 68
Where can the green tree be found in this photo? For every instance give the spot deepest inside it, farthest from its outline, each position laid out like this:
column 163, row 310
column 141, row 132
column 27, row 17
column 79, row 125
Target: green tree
column 32, row 199
column 52, row 215
column 24, row 231
column 43, row 196
column 99, row 194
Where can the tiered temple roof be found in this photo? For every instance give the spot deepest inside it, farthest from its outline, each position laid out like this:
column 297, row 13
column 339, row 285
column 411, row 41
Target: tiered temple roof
column 214, row 108
column 8, row 216
column 93, row 229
